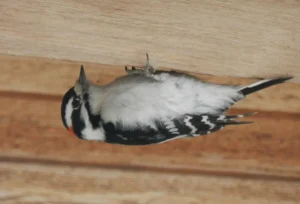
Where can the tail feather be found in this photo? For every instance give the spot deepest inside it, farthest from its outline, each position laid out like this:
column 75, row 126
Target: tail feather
column 240, row 115
column 228, row 120
column 263, row 84
column 233, row 122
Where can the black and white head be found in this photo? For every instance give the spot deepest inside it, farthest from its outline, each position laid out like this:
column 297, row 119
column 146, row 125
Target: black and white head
column 76, row 111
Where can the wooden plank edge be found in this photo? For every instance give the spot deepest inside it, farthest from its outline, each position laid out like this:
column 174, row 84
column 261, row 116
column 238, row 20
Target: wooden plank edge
column 149, row 168
column 35, row 183
column 284, row 97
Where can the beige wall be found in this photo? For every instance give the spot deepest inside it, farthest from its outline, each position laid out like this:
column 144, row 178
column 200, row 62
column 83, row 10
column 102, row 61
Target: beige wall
column 232, row 38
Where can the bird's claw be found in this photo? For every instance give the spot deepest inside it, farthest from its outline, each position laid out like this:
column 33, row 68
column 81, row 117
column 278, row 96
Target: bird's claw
column 134, row 70
column 147, row 70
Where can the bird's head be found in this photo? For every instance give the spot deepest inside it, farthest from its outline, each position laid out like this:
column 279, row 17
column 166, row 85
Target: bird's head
column 76, row 111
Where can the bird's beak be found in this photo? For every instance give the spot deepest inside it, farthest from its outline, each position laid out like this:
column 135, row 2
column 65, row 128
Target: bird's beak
column 70, row 129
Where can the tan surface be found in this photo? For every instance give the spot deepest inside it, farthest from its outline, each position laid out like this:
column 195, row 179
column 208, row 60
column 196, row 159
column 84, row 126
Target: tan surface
column 36, row 183
column 266, row 147
column 233, row 38
column 45, row 76
column 40, row 161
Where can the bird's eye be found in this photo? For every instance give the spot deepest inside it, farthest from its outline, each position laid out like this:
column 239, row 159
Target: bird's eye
column 76, row 103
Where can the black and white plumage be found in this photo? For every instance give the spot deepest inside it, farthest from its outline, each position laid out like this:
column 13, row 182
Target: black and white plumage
column 141, row 109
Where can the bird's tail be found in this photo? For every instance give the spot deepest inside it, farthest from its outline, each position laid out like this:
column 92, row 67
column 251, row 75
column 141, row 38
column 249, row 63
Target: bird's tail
column 262, row 84
column 229, row 119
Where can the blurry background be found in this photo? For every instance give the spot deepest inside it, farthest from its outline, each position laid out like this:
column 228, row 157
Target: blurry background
column 43, row 44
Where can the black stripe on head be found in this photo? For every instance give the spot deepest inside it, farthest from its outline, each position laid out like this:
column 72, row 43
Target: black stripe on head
column 68, row 95
column 77, row 122
column 95, row 120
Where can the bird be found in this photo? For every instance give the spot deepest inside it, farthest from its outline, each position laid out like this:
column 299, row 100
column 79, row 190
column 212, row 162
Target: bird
column 148, row 106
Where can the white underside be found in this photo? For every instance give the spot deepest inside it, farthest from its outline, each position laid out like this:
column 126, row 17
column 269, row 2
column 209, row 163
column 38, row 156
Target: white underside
column 140, row 100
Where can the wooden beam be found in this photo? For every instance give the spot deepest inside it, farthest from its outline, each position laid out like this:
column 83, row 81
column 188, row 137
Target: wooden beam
column 55, row 77
column 228, row 38
column 40, row 183
column 31, row 127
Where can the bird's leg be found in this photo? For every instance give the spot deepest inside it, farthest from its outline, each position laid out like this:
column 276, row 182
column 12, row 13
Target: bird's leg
column 134, row 70
column 147, row 70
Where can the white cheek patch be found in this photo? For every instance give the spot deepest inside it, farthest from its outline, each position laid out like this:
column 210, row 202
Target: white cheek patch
column 88, row 132
column 68, row 113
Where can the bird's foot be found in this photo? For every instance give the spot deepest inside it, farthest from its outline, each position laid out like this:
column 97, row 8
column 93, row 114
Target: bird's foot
column 134, row 70
column 147, row 70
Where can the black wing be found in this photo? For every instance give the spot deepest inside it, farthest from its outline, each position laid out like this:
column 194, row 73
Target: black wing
column 185, row 126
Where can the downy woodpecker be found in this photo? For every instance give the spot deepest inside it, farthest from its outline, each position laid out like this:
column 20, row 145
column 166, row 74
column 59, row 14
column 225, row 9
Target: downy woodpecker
column 149, row 106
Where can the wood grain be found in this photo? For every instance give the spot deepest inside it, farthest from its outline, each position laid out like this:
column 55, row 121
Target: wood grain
column 229, row 38
column 31, row 127
column 217, row 41
column 55, row 77
column 36, row 183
